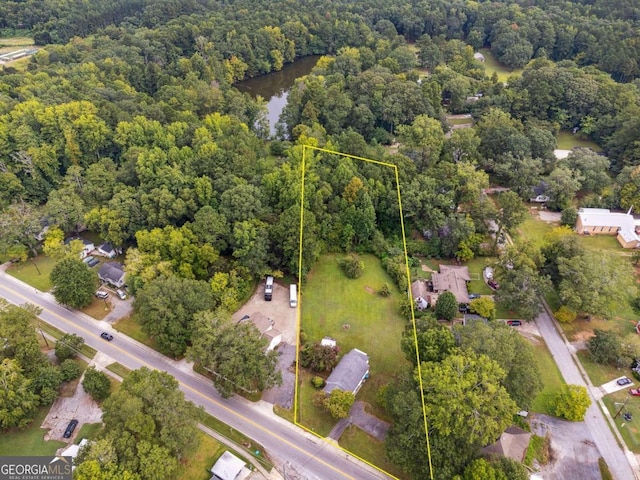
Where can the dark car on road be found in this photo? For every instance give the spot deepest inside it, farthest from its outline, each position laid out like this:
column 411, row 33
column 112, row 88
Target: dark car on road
column 70, row 428
column 107, row 336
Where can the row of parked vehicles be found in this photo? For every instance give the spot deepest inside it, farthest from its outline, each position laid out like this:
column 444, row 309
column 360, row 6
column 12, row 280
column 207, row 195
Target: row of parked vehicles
column 293, row 292
column 103, row 294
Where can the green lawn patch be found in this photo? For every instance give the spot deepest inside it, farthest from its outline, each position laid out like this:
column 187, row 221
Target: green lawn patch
column 315, row 419
column 630, row 431
column 69, row 388
column 533, row 229
column 601, row 242
column 538, row 449
column 460, row 121
column 605, row 473
column 491, row 65
column 130, row 327
column 599, row 373
column 351, row 311
column 89, row 431
column 34, row 272
column 119, row 369
column 237, row 437
column 16, row 41
column 568, row 140
column 371, row 449
column 552, row 380
column 197, row 464
column 30, row 440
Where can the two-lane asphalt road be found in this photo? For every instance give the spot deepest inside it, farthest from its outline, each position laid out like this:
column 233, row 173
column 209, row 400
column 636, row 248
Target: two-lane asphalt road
column 312, row 457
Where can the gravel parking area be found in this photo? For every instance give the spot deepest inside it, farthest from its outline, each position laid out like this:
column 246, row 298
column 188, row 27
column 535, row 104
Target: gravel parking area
column 80, row 406
column 277, row 309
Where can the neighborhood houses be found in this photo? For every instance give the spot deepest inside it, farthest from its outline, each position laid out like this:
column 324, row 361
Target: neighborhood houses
column 229, row 467
column 350, row 373
column 112, row 273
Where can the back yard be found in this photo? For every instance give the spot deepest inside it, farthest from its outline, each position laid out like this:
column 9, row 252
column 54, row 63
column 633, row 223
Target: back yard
column 352, row 312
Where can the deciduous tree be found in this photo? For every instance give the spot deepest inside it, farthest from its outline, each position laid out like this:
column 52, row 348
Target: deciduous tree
column 96, row 384
column 73, row 282
column 572, row 403
column 446, row 306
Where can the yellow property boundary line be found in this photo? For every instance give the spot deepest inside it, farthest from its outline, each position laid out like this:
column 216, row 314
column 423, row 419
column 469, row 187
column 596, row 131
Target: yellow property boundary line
column 305, row 148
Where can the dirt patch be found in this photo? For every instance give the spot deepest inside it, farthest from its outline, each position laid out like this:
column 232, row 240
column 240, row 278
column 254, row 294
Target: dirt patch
column 582, row 336
column 547, row 216
column 426, row 268
column 530, row 331
column 278, row 309
column 370, row 290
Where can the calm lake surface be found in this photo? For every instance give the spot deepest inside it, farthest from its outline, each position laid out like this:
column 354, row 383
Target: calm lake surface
column 274, row 87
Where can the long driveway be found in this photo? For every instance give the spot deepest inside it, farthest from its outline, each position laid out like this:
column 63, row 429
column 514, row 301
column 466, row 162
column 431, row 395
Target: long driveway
column 312, row 457
column 617, row 461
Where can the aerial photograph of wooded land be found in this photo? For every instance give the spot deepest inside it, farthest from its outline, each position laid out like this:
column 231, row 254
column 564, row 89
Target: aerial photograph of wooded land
column 321, row 239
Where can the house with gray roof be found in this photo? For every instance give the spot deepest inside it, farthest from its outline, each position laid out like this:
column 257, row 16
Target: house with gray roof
column 350, row 373
column 113, row 273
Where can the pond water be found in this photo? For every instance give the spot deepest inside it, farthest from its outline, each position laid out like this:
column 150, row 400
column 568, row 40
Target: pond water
column 274, row 87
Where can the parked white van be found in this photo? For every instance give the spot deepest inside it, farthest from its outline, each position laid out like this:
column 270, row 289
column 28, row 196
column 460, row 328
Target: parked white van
column 293, row 296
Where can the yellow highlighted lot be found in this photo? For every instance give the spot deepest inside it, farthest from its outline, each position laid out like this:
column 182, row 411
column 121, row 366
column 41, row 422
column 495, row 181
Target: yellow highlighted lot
column 308, row 150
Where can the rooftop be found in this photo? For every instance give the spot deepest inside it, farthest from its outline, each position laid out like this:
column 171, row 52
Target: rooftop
column 452, row 279
column 349, row 372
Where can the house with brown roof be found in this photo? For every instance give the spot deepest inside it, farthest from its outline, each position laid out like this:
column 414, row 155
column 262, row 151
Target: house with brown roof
column 452, row 278
column 265, row 326
column 513, row 443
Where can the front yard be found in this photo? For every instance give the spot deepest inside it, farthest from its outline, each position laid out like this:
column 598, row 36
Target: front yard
column 29, row 441
column 34, row 272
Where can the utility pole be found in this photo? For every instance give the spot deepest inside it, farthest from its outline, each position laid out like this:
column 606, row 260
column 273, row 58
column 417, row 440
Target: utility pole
column 621, row 408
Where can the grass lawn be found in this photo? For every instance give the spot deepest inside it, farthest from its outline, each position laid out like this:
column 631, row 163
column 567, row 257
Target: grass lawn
column 130, row 327
column 97, row 308
column 355, row 315
column 118, row 369
column 29, row 441
column 16, row 41
column 568, row 140
column 88, row 431
column 492, row 65
column 86, row 350
column 534, row 230
column 476, row 266
column 551, row 379
column 36, row 275
column 601, row 242
column 315, row 419
column 599, row 373
column 362, row 445
column 538, row 449
column 460, row 121
column 630, row 430
column 198, row 463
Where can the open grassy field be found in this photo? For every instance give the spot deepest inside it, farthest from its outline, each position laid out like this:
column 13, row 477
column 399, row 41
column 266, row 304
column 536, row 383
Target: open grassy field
column 359, row 443
column 354, row 314
column 198, row 463
column 551, row 379
column 568, row 140
column 492, row 65
column 533, row 229
column 30, row 440
column 16, row 42
column 34, row 272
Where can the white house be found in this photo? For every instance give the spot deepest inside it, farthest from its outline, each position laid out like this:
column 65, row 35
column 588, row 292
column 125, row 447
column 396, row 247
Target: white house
column 87, row 246
column 601, row 221
column 350, row 373
column 106, row 250
column 229, row 467
column 113, row 273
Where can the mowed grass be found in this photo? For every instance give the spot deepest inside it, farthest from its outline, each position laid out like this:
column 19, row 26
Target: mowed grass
column 89, row 431
column 567, row 141
column 552, row 380
column 363, row 445
column 630, row 431
column 314, row 418
column 34, row 272
column 352, row 312
column 534, row 230
column 16, row 42
column 97, row 308
column 130, row 327
column 491, row 65
column 30, row 440
column 197, row 464
column 599, row 373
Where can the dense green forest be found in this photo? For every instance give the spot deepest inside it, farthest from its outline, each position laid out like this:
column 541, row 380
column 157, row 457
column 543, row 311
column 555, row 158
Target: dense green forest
column 127, row 122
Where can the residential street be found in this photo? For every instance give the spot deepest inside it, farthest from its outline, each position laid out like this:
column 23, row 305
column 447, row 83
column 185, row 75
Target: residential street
column 617, row 461
column 310, row 456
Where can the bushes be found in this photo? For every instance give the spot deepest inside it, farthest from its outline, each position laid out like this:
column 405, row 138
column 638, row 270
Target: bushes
column 565, row 315
column 319, row 358
column 446, row 306
column 572, row 403
column 352, row 266
column 317, row 382
column 96, row 384
column 384, row 291
column 338, row 403
column 69, row 370
column 397, row 269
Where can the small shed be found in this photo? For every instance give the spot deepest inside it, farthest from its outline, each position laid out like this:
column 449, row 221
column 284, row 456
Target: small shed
column 329, row 342
column 479, row 57
column 420, row 294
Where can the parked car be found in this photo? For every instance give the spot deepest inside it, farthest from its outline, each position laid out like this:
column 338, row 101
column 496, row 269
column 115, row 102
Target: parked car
column 473, row 296
column 93, row 262
column 121, row 294
column 635, row 391
column 514, row 323
column 623, row 381
column 464, row 308
column 493, row 284
column 102, row 294
column 107, row 336
column 88, row 259
column 70, row 428
column 488, row 273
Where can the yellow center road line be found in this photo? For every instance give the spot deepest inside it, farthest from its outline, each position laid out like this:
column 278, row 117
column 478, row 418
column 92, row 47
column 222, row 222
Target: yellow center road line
column 197, row 392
